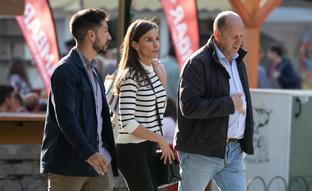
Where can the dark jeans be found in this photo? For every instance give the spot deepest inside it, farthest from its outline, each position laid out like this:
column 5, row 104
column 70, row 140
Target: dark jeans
column 135, row 161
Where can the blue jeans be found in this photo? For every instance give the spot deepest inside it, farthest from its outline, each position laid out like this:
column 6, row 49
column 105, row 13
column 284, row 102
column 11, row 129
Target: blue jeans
column 229, row 173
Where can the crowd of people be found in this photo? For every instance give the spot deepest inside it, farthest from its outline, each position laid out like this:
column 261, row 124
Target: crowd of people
column 17, row 95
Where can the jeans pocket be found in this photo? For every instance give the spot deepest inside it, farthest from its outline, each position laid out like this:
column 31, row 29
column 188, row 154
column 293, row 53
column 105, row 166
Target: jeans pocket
column 183, row 157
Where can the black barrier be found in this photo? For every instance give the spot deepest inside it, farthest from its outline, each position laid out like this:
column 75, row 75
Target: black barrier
column 305, row 182
column 10, row 182
column 37, row 184
column 276, row 178
column 2, row 181
column 309, row 182
column 300, row 178
column 255, row 179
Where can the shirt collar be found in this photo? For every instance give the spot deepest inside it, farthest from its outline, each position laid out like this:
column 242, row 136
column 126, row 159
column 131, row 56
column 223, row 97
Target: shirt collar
column 221, row 55
column 88, row 65
column 146, row 67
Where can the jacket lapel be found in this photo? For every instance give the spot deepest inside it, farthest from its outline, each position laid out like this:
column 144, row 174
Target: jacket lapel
column 77, row 60
column 100, row 81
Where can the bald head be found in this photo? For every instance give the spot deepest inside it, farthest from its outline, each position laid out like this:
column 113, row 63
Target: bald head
column 227, row 19
column 228, row 31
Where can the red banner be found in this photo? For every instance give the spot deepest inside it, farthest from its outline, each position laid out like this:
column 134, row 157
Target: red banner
column 37, row 26
column 182, row 20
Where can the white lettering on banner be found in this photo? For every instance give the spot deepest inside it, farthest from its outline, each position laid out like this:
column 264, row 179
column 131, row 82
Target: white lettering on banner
column 29, row 13
column 39, row 37
column 183, row 42
column 49, row 58
column 177, row 14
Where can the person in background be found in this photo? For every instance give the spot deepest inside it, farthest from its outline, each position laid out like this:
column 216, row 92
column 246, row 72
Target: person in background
column 18, row 78
column 6, row 98
column 69, row 44
column 282, row 74
column 262, row 77
column 78, row 148
column 18, row 105
column 172, row 73
column 215, row 121
column 140, row 84
column 263, row 81
column 107, row 64
column 31, row 102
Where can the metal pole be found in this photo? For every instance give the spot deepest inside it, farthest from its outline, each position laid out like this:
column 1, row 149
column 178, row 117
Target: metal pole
column 81, row 4
column 123, row 20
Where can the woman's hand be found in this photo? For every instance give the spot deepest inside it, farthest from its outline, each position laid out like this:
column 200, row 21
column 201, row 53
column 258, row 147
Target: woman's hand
column 160, row 71
column 167, row 153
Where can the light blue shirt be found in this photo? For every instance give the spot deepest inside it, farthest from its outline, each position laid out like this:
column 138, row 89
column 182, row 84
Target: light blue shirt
column 237, row 120
column 90, row 68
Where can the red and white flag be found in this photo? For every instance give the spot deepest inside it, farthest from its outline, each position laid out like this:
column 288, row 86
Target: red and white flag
column 37, row 26
column 182, row 19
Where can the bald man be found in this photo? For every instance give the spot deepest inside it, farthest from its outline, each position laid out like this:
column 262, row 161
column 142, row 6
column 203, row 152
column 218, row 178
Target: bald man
column 215, row 124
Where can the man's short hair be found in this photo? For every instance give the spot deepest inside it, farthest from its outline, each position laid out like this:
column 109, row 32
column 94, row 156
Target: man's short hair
column 277, row 50
column 220, row 21
column 5, row 92
column 84, row 20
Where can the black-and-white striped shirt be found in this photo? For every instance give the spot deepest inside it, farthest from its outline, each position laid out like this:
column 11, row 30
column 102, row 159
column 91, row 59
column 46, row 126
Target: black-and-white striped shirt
column 137, row 106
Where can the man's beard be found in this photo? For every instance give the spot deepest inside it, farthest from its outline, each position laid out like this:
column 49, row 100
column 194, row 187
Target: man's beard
column 99, row 49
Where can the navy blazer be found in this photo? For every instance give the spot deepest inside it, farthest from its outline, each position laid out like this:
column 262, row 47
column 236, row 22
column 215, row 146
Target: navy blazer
column 70, row 131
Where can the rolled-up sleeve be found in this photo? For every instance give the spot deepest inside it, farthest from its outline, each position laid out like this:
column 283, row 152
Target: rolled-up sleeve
column 127, row 105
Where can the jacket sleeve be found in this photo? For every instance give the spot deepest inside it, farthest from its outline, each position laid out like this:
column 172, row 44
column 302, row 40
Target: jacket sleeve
column 192, row 100
column 64, row 92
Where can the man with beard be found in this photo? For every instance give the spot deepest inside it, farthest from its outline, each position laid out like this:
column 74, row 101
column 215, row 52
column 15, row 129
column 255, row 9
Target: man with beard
column 78, row 149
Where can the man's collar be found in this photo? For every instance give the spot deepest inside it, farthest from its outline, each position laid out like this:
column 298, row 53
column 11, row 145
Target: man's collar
column 221, row 55
column 211, row 49
column 85, row 62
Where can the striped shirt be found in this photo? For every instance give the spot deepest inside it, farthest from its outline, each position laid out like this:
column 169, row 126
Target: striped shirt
column 137, row 106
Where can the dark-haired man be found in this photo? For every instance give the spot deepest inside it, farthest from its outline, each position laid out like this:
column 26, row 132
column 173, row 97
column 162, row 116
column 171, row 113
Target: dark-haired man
column 281, row 72
column 6, row 98
column 78, row 149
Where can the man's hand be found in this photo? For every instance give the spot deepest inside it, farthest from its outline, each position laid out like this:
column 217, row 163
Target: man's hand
column 238, row 103
column 98, row 163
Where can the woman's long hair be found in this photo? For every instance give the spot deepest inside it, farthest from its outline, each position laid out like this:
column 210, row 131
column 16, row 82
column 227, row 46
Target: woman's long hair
column 129, row 61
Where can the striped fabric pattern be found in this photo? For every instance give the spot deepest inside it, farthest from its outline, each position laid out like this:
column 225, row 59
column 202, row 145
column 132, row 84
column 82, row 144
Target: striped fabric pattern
column 137, row 106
